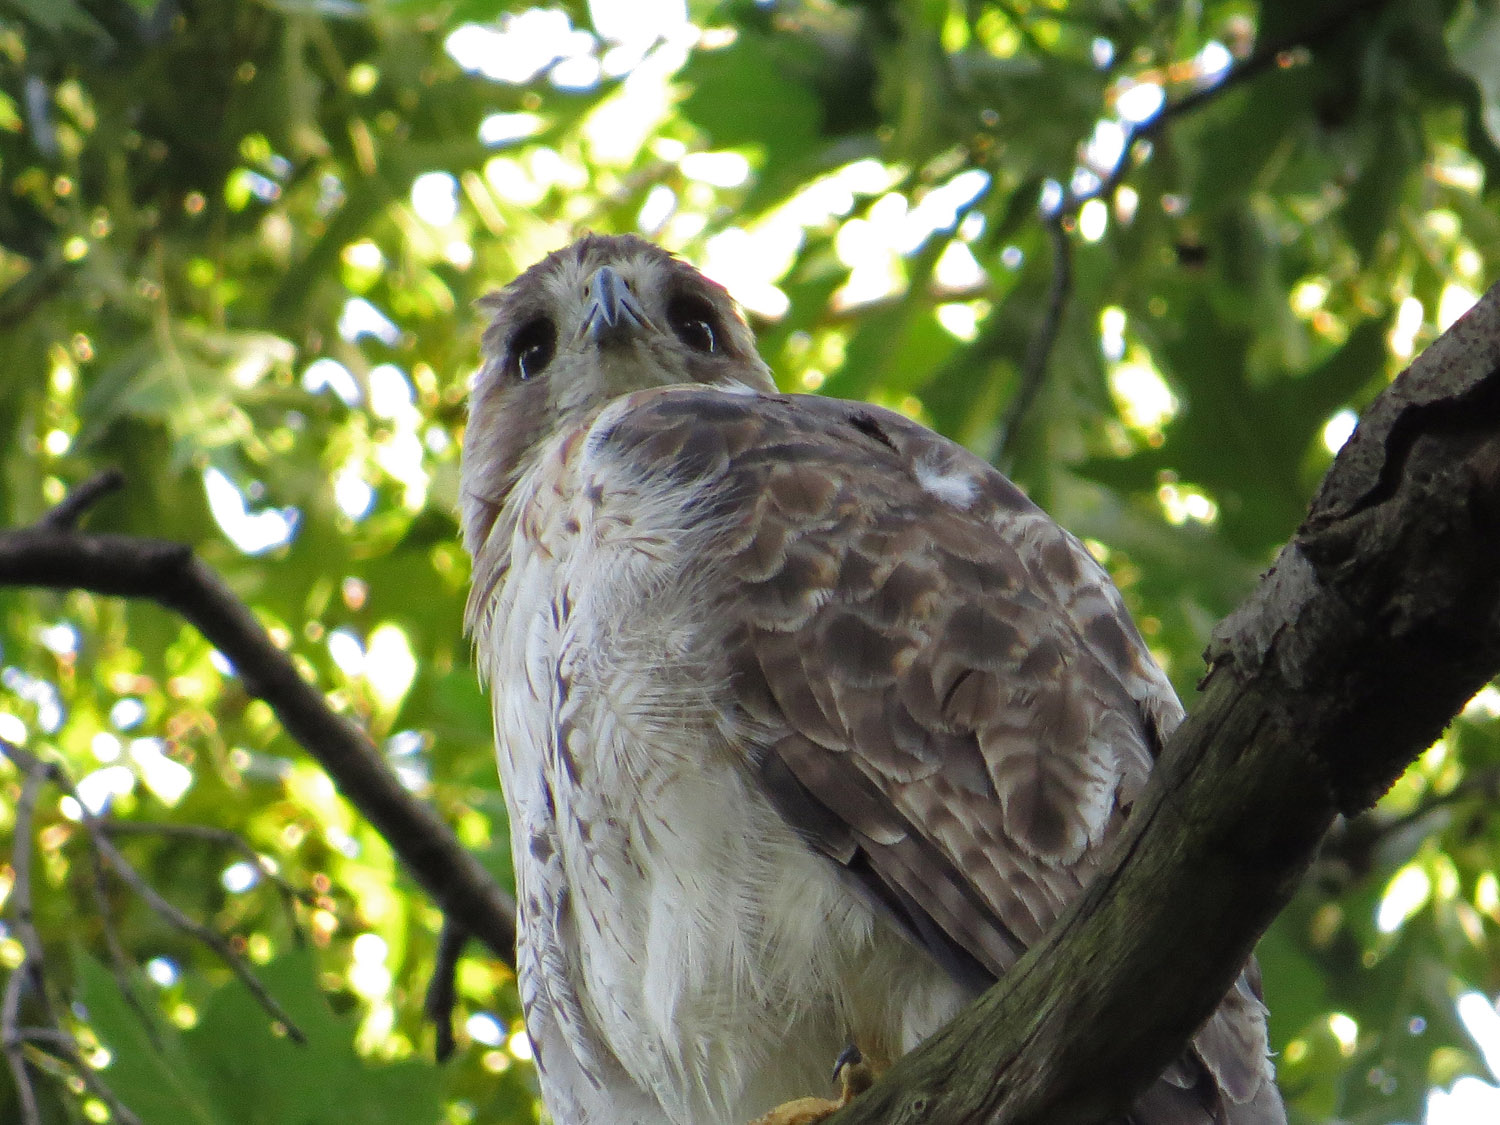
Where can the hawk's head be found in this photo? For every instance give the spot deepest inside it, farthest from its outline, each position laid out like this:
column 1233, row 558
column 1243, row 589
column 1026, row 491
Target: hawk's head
column 600, row 318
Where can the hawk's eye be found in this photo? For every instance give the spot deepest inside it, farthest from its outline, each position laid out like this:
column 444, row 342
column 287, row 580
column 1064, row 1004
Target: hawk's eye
column 692, row 318
column 531, row 348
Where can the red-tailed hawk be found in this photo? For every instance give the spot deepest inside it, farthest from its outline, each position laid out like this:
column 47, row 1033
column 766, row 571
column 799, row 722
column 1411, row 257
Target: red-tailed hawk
column 809, row 722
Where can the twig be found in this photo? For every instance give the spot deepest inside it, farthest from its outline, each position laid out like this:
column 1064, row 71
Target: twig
column 289, row 894
column 133, row 879
column 31, row 959
column 175, row 917
column 1351, row 845
column 1020, row 23
column 34, row 288
column 647, row 175
column 119, row 963
column 76, row 504
column 170, row 574
column 32, row 967
column 1039, row 348
column 1252, row 66
column 932, row 295
column 45, row 1035
column 441, row 992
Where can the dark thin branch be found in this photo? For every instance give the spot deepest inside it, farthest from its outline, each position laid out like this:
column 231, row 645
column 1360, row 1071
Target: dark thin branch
column 290, row 895
column 1039, row 350
column 931, row 296
column 77, row 503
column 50, row 1035
column 127, row 874
column 1271, row 57
column 119, row 962
column 1484, row 784
column 1379, row 620
column 1354, row 847
column 442, row 996
column 31, row 975
column 1018, row 21
column 630, row 185
column 35, row 288
column 173, row 576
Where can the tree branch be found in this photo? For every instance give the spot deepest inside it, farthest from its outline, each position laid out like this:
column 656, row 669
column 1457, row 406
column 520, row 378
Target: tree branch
column 1265, row 57
column 170, row 574
column 30, row 976
column 1039, row 349
column 442, row 991
column 77, row 503
column 104, row 852
column 1059, row 219
column 224, row 837
column 1378, row 621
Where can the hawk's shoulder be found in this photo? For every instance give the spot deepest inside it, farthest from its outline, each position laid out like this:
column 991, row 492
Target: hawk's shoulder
column 802, row 483
column 885, row 580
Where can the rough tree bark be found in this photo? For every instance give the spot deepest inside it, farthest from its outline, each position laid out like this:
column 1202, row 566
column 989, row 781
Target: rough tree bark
column 1377, row 622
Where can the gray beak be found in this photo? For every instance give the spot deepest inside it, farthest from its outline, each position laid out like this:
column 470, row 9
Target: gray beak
column 614, row 315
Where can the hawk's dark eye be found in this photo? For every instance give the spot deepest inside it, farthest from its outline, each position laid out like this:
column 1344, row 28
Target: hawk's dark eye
column 693, row 319
column 531, row 348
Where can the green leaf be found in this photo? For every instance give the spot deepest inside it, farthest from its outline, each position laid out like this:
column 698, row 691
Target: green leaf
column 1245, row 443
column 1393, row 151
column 58, row 16
column 1296, row 992
column 729, row 102
column 150, row 1072
column 267, row 1079
column 1236, row 138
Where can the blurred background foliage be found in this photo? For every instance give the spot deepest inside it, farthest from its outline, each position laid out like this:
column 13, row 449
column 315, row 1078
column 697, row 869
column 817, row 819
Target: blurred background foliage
column 240, row 244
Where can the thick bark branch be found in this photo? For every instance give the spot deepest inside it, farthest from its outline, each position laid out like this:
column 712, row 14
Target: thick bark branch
column 55, row 556
column 1378, row 620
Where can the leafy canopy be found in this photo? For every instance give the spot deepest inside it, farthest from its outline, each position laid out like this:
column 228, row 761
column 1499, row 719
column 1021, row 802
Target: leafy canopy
column 239, row 250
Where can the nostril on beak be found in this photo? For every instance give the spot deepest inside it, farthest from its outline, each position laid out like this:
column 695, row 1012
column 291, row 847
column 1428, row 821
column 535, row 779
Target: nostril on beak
column 614, row 313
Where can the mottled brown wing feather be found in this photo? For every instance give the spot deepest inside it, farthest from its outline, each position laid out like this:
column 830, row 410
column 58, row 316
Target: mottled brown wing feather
column 947, row 696
column 935, row 663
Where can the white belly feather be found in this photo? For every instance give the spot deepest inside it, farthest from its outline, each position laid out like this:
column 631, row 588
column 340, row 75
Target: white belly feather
column 714, row 964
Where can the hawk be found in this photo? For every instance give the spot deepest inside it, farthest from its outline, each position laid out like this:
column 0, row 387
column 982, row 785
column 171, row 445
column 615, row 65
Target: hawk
column 809, row 722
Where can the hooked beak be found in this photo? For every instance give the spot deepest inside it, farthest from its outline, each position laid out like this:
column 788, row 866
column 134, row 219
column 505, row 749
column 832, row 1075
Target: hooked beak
column 614, row 315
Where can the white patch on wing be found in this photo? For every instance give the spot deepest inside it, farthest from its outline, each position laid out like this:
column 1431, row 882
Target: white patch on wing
column 958, row 489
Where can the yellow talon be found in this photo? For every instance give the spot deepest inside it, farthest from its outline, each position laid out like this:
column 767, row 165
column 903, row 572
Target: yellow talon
column 854, row 1074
